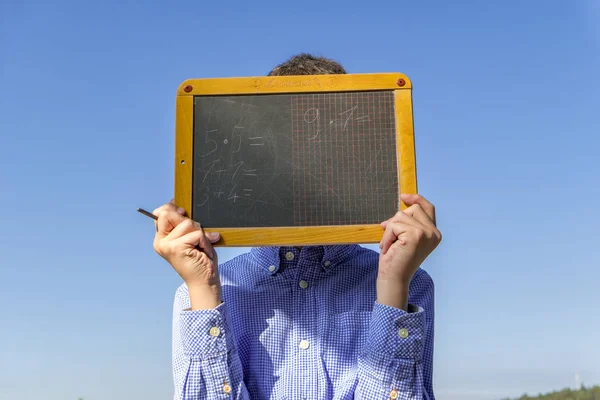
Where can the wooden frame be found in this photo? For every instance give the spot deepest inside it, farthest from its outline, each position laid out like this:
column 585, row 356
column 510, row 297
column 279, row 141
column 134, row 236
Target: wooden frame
column 298, row 236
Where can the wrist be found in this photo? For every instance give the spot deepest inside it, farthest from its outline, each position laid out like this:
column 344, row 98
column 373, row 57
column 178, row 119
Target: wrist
column 204, row 296
column 393, row 293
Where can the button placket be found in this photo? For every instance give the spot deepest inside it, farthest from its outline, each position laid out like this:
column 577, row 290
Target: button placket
column 305, row 329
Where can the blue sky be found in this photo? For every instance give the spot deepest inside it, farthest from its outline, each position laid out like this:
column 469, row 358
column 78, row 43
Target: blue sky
column 506, row 100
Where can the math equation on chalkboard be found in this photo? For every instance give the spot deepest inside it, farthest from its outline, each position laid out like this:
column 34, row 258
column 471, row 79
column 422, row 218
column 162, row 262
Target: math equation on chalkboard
column 294, row 159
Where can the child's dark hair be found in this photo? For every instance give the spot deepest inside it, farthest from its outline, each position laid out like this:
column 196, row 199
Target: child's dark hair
column 307, row 64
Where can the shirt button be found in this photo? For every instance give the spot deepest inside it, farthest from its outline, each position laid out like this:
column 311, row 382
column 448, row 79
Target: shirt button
column 226, row 388
column 304, row 344
column 214, row 331
column 303, row 284
column 289, row 255
column 272, row 268
column 327, row 263
column 403, row 333
column 394, row 394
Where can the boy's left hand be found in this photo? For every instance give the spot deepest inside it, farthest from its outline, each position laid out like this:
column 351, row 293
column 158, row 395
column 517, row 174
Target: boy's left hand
column 409, row 237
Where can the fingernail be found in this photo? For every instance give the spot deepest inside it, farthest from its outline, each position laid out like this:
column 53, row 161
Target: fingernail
column 180, row 211
column 172, row 201
column 213, row 235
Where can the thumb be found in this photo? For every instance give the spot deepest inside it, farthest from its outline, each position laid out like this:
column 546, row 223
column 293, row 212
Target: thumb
column 201, row 241
column 213, row 236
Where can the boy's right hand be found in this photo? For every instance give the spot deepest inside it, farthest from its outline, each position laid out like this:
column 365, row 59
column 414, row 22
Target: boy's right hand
column 184, row 244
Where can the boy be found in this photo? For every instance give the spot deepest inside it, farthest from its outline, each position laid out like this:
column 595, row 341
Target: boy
column 318, row 322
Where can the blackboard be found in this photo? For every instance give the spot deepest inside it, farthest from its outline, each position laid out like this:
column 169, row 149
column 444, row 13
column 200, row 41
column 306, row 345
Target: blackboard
column 291, row 157
column 295, row 159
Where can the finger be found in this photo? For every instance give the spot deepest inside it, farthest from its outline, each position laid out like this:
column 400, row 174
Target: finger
column 384, row 223
column 428, row 207
column 398, row 225
column 214, row 237
column 167, row 220
column 189, row 225
column 199, row 240
column 168, row 207
column 387, row 240
column 184, row 227
column 157, row 211
column 417, row 212
column 404, row 218
column 390, row 236
column 180, row 210
column 204, row 243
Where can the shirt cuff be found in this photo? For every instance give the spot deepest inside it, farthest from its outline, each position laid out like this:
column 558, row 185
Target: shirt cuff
column 205, row 333
column 395, row 333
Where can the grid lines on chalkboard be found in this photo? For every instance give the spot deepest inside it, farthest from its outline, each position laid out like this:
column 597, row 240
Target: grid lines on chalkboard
column 344, row 158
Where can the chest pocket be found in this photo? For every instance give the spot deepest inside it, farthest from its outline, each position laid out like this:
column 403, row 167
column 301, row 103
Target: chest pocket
column 344, row 338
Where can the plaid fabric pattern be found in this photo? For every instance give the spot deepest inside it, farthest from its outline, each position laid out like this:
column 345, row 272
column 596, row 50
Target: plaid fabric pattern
column 304, row 325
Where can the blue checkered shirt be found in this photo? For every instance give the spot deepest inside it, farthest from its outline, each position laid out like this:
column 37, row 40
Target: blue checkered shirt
column 304, row 325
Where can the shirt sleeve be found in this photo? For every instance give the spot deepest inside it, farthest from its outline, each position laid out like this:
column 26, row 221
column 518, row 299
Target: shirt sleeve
column 396, row 360
column 206, row 364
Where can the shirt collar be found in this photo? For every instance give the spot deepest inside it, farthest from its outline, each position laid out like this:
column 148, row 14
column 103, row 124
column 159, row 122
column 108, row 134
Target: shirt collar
column 269, row 258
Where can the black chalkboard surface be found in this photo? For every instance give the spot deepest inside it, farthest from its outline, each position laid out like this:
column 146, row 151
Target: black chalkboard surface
column 295, row 159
